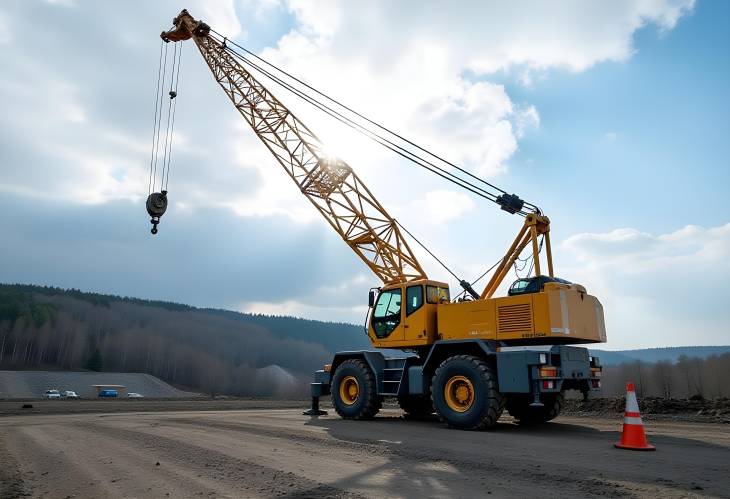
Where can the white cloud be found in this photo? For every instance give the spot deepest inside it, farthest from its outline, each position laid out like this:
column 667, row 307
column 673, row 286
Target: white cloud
column 525, row 118
column 81, row 133
column 221, row 15
column 498, row 35
column 295, row 308
column 63, row 3
column 344, row 301
column 666, row 289
column 441, row 206
column 411, row 76
column 6, row 36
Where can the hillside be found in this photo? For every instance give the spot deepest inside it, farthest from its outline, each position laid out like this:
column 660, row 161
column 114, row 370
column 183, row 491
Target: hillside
column 32, row 384
column 203, row 350
column 212, row 351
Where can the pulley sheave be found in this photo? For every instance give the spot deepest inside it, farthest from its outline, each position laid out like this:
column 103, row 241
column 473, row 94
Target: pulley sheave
column 156, row 207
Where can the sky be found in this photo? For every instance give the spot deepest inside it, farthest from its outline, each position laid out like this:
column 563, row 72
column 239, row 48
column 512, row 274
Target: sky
column 613, row 117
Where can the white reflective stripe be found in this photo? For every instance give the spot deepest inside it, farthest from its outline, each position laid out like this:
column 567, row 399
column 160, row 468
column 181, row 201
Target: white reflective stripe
column 632, row 420
column 540, row 348
column 564, row 312
column 631, row 404
column 557, row 330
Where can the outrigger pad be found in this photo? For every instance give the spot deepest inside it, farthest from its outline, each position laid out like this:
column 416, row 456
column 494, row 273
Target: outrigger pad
column 315, row 410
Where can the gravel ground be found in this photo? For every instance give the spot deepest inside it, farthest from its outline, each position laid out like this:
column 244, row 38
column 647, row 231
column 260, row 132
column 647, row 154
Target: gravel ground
column 38, row 407
column 654, row 408
column 270, row 452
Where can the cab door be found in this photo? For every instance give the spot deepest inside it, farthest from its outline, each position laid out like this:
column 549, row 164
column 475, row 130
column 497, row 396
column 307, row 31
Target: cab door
column 414, row 321
column 386, row 321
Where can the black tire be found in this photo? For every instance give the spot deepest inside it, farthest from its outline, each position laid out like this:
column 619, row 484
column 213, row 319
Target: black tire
column 487, row 403
column 519, row 408
column 416, row 407
column 367, row 403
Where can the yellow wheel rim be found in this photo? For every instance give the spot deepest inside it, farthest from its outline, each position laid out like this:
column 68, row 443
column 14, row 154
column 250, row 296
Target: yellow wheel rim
column 459, row 393
column 349, row 390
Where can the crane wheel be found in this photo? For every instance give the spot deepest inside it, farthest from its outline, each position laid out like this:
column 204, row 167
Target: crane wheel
column 355, row 391
column 519, row 408
column 465, row 394
column 416, row 407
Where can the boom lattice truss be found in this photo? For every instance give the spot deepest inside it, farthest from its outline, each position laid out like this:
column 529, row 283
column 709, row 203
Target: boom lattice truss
column 329, row 183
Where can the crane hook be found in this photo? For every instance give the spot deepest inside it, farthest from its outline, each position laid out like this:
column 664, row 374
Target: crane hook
column 156, row 207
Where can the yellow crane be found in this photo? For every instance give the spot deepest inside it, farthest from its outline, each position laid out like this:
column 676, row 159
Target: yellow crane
column 470, row 358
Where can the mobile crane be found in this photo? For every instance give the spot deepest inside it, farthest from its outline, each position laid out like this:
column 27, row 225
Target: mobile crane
column 470, row 358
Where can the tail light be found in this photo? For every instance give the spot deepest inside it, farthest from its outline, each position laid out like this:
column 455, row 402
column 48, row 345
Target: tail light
column 548, row 385
column 548, row 372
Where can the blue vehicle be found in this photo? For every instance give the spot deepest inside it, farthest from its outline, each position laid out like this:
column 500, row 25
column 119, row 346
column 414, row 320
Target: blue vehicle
column 108, row 394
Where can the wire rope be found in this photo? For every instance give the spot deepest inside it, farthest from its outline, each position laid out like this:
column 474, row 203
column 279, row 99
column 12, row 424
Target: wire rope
column 159, row 122
column 372, row 122
column 410, row 155
column 154, row 127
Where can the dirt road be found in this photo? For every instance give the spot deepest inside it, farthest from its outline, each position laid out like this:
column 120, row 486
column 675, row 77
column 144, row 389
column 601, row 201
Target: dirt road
column 279, row 452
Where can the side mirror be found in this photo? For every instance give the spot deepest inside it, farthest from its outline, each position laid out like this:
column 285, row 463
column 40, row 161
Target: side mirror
column 371, row 298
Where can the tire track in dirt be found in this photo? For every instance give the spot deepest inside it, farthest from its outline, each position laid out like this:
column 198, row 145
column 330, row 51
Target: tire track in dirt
column 270, row 453
column 244, row 477
column 69, row 461
column 410, row 470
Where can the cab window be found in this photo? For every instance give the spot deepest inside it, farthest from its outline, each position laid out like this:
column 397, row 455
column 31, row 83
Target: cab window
column 386, row 315
column 414, row 299
column 437, row 294
column 519, row 287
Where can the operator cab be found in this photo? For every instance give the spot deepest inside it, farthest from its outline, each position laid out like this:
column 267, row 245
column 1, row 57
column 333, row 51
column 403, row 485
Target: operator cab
column 405, row 312
column 532, row 284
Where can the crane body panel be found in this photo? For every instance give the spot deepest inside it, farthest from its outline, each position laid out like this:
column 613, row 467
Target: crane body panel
column 561, row 314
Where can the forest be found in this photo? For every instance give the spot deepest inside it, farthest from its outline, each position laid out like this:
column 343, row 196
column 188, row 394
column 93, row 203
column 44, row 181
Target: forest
column 221, row 352
column 688, row 377
column 214, row 352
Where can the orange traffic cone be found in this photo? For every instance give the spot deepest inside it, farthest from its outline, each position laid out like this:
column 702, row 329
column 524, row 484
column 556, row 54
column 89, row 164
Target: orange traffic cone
column 633, row 436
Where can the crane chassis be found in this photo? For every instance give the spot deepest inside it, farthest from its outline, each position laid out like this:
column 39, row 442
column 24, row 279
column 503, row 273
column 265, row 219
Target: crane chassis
column 467, row 360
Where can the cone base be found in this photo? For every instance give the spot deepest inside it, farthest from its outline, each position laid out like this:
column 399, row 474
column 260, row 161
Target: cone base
column 619, row 445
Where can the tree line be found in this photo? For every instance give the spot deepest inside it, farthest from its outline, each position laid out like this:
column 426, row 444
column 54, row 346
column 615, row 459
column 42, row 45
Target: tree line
column 190, row 348
column 688, row 377
column 222, row 352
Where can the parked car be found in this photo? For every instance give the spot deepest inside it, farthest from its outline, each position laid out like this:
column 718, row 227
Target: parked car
column 133, row 395
column 108, row 394
column 52, row 394
column 69, row 394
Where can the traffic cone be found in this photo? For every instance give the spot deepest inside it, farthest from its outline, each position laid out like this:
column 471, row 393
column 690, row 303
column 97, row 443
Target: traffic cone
column 633, row 436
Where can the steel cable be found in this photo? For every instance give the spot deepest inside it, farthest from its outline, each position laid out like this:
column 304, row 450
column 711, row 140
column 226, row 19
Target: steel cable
column 367, row 132
column 298, row 80
column 372, row 135
column 159, row 122
column 154, row 127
